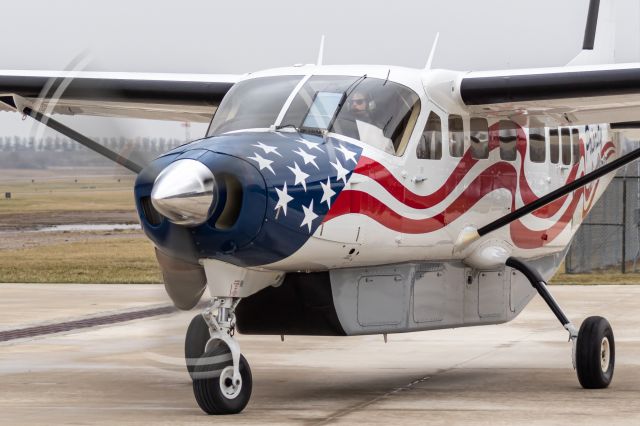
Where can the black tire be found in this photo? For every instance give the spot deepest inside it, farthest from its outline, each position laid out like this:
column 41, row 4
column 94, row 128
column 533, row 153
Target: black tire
column 207, row 384
column 195, row 341
column 594, row 366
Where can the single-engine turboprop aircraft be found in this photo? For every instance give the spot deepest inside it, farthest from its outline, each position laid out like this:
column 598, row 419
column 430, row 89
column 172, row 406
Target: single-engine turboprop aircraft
column 349, row 200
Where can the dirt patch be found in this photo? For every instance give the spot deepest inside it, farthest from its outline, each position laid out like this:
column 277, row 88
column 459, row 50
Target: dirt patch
column 15, row 240
column 12, row 221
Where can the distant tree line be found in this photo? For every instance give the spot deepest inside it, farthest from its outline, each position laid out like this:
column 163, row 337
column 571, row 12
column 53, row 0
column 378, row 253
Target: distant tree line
column 29, row 152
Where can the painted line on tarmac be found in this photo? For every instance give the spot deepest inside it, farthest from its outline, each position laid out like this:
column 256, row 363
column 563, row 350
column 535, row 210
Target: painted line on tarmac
column 340, row 414
column 60, row 327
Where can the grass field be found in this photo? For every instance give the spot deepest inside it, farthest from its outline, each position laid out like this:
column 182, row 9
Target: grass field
column 78, row 196
column 116, row 260
column 87, row 194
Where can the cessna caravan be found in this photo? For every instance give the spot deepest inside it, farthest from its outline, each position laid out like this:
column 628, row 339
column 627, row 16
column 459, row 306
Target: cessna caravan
column 352, row 200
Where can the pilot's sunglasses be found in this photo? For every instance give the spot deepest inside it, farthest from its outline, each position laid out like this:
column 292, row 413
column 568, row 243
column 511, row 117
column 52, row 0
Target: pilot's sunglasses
column 357, row 101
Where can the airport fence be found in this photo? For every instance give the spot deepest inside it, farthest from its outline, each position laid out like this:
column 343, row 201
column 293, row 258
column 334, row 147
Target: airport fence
column 609, row 239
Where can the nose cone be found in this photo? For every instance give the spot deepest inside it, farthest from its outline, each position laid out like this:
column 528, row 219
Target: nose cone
column 185, row 192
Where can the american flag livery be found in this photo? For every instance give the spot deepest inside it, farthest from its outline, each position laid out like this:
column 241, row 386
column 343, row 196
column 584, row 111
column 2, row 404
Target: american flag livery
column 498, row 175
column 304, row 176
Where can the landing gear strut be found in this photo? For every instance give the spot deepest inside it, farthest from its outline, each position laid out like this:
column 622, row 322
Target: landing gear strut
column 221, row 376
column 593, row 345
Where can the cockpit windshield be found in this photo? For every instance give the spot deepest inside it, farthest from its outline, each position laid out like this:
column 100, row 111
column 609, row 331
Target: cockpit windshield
column 252, row 104
column 378, row 112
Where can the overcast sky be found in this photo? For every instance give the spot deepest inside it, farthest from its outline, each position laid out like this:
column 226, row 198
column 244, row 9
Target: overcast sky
column 247, row 35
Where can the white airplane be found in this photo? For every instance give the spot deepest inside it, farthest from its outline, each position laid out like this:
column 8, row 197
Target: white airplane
column 350, row 200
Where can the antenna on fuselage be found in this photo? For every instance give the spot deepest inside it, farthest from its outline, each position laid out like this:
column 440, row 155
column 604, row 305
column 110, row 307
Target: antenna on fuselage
column 433, row 52
column 321, row 51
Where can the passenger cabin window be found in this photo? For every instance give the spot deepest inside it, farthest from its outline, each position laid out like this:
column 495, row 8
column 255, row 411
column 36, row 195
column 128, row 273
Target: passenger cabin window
column 565, row 146
column 508, row 135
column 479, row 138
column 456, row 136
column 430, row 145
column 554, row 146
column 537, row 145
column 575, row 146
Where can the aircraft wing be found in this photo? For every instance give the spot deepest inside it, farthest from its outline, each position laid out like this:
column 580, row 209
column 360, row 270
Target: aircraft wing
column 178, row 97
column 571, row 95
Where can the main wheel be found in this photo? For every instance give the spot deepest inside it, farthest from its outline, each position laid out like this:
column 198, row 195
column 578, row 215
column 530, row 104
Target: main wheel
column 595, row 353
column 195, row 341
column 213, row 386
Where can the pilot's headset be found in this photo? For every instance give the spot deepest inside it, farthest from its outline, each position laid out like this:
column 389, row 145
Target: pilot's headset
column 371, row 104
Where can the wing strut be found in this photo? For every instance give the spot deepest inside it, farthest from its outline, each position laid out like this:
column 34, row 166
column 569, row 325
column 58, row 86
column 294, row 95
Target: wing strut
column 470, row 234
column 78, row 137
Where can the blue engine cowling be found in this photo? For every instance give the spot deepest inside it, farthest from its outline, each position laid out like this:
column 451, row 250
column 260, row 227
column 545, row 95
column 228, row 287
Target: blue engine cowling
column 248, row 226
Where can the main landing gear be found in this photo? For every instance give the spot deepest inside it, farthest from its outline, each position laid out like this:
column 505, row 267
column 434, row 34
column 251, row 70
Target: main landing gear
column 594, row 351
column 221, row 375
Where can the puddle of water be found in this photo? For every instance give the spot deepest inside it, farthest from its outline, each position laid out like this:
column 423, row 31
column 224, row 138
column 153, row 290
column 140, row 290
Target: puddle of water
column 89, row 227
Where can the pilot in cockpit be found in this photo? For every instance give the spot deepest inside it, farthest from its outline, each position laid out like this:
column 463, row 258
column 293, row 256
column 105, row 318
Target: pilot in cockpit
column 359, row 105
column 357, row 109
column 358, row 122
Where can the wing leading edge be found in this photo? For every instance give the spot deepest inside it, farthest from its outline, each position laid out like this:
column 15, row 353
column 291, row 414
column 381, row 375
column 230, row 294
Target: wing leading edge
column 178, row 97
column 573, row 95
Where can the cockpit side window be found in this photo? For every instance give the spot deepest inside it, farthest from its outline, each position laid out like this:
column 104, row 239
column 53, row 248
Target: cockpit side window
column 252, row 104
column 430, row 145
column 380, row 113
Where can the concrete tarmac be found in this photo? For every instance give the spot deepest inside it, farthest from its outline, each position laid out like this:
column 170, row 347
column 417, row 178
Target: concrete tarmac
column 133, row 373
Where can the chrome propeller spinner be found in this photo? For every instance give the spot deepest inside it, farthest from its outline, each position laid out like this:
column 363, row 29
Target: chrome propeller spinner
column 185, row 192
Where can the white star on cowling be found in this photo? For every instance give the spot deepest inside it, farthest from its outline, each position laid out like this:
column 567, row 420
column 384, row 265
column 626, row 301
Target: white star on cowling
column 309, row 145
column 263, row 163
column 267, row 149
column 309, row 216
column 283, row 198
column 348, row 155
column 308, row 158
column 301, row 177
column 341, row 172
column 327, row 193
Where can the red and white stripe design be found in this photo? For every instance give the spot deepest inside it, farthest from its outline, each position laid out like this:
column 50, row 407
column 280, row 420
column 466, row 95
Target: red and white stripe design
column 391, row 204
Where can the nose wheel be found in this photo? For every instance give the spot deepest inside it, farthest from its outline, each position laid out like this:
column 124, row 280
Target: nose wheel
column 594, row 351
column 221, row 376
column 214, row 387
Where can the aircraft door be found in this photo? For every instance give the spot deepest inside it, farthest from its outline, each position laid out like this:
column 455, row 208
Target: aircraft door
column 424, row 174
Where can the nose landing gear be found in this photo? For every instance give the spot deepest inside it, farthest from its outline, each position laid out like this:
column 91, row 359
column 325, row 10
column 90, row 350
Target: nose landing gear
column 221, row 376
column 593, row 345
